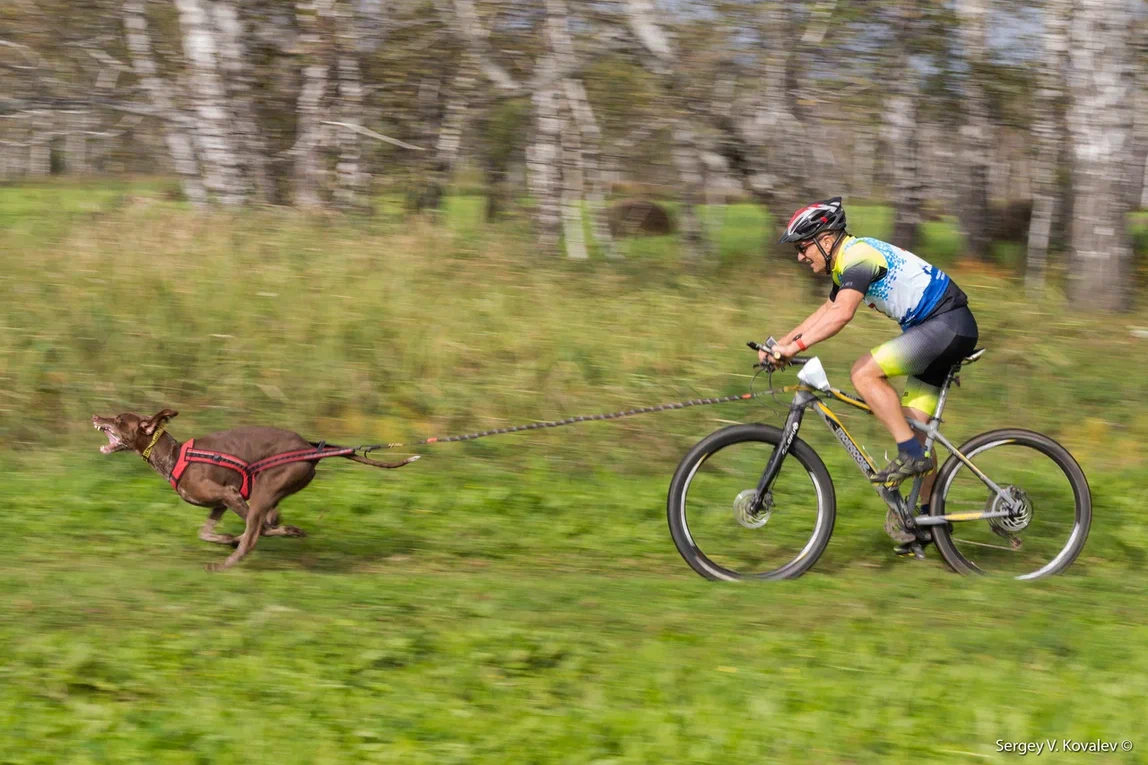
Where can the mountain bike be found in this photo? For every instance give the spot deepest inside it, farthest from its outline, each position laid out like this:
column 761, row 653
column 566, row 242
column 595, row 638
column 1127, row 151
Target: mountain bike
column 1007, row 502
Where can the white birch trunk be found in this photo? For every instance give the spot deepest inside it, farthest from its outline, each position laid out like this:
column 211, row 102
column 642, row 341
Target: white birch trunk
column 590, row 136
column 543, row 158
column 687, row 161
column 76, row 144
column 448, row 142
column 1144, row 186
column 350, row 181
column 573, row 225
column 1100, row 80
column 903, row 131
column 214, row 122
column 252, row 160
column 313, row 16
column 39, row 150
column 1046, row 133
column 976, row 132
column 176, row 125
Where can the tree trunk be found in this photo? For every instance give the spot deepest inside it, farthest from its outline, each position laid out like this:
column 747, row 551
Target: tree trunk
column 573, row 225
column 976, row 132
column 1100, row 78
column 448, row 143
column 903, row 130
column 687, row 160
column 313, row 19
column 642, row 19
column 1046, row 133
column 350, row 181
column 543, row 156
column 214, row 121
column 76, row 144
column 590, row 137
column 176, row 125
column 251, row 148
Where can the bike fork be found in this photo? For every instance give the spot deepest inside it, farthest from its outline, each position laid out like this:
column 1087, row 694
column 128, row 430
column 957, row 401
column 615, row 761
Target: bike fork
column 789, row 432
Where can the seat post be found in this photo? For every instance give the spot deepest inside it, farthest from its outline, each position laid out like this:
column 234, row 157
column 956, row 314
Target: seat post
column 944, row 394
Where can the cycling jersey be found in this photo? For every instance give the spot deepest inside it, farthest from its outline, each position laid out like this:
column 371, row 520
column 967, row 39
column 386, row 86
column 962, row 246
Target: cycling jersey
column 894, row 281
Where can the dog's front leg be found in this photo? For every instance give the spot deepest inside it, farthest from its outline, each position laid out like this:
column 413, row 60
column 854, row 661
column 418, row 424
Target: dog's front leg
column 255, row 517
column 208, row 534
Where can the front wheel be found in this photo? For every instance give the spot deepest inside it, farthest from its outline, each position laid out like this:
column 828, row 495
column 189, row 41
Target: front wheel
column 709, row 502
column 1046, row 495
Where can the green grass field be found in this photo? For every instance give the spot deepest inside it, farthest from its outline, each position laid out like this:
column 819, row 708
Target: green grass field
column 515, row 599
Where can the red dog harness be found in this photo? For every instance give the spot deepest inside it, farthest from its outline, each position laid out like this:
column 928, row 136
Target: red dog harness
column 189, row 454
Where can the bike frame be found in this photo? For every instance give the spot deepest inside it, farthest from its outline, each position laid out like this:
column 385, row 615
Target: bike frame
column 806, row 397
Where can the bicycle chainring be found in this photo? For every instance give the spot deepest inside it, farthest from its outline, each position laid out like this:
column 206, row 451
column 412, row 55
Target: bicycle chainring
column 896, row 529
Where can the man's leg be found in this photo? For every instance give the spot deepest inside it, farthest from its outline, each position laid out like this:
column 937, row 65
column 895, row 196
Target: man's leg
column 920, row 402
column 870, row 381
column 870, row 376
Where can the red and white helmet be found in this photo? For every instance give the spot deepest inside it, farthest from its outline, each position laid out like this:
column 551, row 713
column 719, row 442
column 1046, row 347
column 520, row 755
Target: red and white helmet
column 815, row 219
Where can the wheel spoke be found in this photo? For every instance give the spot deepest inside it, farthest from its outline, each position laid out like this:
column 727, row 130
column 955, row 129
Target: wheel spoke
column 1040, row 484
column 722, row 537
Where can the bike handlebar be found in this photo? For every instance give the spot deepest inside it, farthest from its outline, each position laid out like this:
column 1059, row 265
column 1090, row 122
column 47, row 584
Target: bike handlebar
column 768, row 345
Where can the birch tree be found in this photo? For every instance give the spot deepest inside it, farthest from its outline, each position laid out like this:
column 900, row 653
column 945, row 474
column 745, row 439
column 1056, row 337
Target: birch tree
column 350, row 182
column 176, row 125
column 903, row 127
column 1100, row 78
column 313, row 18
column 976, row 132
column 215, row 131
column 1048, row 138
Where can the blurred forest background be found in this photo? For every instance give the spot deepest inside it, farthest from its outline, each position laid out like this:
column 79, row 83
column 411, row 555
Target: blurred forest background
column 1025, row 122
column 383, row 220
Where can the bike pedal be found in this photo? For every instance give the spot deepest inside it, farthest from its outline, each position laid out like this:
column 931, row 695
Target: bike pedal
column 913, row 548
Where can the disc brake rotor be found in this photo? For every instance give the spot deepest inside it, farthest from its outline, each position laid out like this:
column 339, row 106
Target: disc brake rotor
column 1018, row 504
column 746, row 517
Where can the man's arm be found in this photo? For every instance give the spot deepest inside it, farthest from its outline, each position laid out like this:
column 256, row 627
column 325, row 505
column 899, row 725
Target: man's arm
column 804, row 326
column 833, row 320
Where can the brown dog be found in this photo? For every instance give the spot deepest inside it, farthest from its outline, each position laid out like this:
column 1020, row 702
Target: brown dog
column 219, row 487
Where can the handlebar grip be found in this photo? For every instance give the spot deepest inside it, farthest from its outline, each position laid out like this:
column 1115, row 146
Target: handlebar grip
column 766, row 347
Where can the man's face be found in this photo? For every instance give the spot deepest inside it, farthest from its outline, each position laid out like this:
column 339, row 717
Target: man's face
column 810, row 255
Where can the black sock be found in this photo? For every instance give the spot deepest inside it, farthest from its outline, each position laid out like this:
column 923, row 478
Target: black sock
column 924, row 508
column 912, row 447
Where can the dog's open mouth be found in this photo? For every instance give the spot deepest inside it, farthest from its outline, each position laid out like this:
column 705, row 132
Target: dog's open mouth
column 114, row 443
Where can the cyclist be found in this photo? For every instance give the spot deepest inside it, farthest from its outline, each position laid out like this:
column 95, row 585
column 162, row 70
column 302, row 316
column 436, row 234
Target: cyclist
column 938, row 329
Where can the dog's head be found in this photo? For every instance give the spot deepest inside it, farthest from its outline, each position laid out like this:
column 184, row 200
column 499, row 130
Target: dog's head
column 128, row 431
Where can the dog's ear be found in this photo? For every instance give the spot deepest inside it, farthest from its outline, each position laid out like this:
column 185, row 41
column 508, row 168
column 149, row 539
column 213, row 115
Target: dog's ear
column 149, row 425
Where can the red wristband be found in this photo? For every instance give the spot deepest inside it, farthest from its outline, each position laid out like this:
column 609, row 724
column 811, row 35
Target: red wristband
column 800, row 345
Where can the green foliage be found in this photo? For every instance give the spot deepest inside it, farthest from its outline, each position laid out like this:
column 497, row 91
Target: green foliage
column 514, row 599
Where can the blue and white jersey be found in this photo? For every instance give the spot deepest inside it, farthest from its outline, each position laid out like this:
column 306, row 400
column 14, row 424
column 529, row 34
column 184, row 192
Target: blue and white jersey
column 894, row 281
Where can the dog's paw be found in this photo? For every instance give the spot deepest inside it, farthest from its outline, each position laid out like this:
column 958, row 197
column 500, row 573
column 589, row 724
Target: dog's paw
column 213, row 567
column 293, row 531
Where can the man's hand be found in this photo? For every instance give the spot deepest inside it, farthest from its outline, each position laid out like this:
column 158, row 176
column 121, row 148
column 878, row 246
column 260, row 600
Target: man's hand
column 787, row 351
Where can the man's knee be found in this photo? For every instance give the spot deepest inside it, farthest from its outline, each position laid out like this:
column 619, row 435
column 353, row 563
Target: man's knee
column 865, row 369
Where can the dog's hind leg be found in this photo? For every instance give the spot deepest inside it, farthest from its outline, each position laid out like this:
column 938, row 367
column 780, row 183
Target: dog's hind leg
column 255, row 515
column 271, row 527
column 208, row 534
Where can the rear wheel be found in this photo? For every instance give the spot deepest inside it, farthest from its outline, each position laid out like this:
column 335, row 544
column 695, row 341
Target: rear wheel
column 711, row 493
column 1047, row 496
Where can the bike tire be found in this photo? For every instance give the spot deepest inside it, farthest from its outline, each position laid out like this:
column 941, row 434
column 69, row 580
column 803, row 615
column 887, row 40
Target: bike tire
column 676, row 512
column 979, row 444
